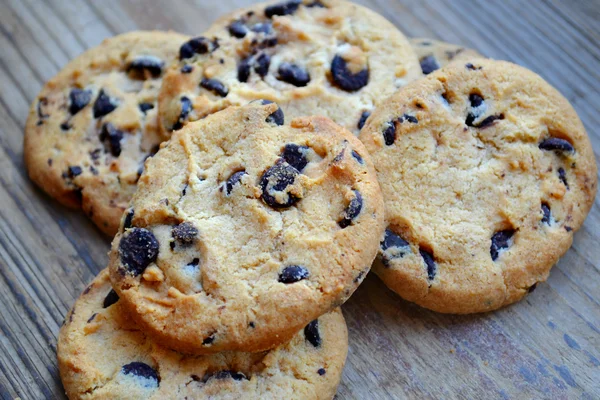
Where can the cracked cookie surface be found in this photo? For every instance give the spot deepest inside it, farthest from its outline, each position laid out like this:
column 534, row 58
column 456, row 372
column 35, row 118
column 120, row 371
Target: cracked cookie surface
column 93, row 124
column 329, row 57
column 242, row 230
column 486, row 172
column 103, row 354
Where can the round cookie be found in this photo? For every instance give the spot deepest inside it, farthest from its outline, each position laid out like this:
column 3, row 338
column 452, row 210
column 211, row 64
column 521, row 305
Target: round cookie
column 242, row 231
column 435, row 54
column 486, row 172
column 331, row 58
column 93, row 124
column 102, row 354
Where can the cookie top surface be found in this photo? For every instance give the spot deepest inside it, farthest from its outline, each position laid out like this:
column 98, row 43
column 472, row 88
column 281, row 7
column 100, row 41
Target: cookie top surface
column 486, row 172
column 242, row 231
column 330, row 58
column 435, row 54
column 103, row 354
column 94, row 123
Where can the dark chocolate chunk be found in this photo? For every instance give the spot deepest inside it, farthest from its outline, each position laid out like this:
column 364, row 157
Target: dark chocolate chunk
column 408, row 118
column 556, row 144
column 142, row 370
column 197, row 45
column 357, row 157
column 128, row 219
column 489, row 121
column 78, row 99
column 363, row 119
column 74, row 171
column 138, row 249
column 186, row 69
column 562, row 175
column 429, row 263
column 104, row 104
column 311, row 333
column 184, row 233
column 111, row 298
column 262, row 27
column 344, row 78
column 186, row 108
column 293, row 273
column 144, row 107
column 283, row 8
column 244, row 69
column 194, row 262
column 429, row 64
column 43, row 102
column 152, row 64
column 214, row 86
column 233, row 180
column 547, row 214
column 352, row 211
column 262, row 64
column 111, row 138
column 238, row 29
column 476, row 109
column 208, row 340
column 65, row 126
column 500, row 241
column 274, row 184
column 321, row 371
column 392, row 240
column 472, row 67
column 293, row 74
column 90, row 319
column 227, row 374
column 276, row 117
column 389, row 133
column 295, row 156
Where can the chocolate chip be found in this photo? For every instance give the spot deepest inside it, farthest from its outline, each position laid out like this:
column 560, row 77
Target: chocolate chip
column 275, row 182
column 90, row 319
column 104, row 104
column 65, row 126
column 283, row 8
column 233, row 180
column 43, row 102
column 111, row 298
column 363, row 119
column 500, row 241
column 352, row 211
column 208, row 340
column 556, row 144
column 74, row 171
column 293, row 273
column 311, row 333
column 393, row 246
column 489, row 121
column 152, row 64
column 344, row 78
column 111, row 138
column 138, row 249
column 244, row 69
column 95, row 154
column 276, row 117
column 128, row 219
column 357, row 157
column 197, row 45
column 184, row 233
column 194, row 262
column 408, row 118
column 472, row 67
column 186, row 108
column 227, row 374
column 186, row 69
column 429, row 64
column 562, row 175
column 78, row 99
column 321, row 371
column 262, row 27
column 144, row 107
column 295, row 156
column 547, row 214
column 568, row 228
column 262, row 64
column 214, row 86
column 238, row 29
column 389, row 133
column 293, row 74
column 251, row 324
column 477, row 108
column 429, row 263
column 141, row 370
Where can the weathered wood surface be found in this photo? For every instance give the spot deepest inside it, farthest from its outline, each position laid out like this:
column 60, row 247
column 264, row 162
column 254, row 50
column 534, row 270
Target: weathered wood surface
column 547, row 346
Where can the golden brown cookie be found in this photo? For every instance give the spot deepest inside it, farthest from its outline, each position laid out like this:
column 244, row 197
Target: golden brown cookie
column 242, row 231
column 435, row 54
column 103, row 354
column 487, row 172
column 328, row 57
column 92, row 125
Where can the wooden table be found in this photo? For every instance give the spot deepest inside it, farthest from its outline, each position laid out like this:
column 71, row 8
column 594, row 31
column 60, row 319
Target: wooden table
column 546, row 346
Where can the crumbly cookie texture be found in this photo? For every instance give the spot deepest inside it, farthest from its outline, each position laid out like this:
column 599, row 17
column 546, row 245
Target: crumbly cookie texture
column 103, row 354
column 92, row 125
column 435, row 54
column 486, row 172
column 328, row 57
column 242, row 230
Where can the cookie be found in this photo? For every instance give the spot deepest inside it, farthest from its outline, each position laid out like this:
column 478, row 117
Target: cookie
column 330, row 58
column 486, row 172
column 435, row 54
column 92, row 125
column 103, row 354
column 242, row 231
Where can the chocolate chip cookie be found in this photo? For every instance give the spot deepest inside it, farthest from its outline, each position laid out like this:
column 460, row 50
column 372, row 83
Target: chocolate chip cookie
column 328, row 57
column 103, row 354
column 243, row 230
column 435, row 54
column 93, row 124
column 486, row 172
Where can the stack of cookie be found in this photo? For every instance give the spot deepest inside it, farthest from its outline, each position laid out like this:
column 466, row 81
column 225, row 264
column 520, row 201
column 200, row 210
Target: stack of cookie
column 262, row 212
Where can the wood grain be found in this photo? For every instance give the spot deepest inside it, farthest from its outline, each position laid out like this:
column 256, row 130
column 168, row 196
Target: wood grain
column 546, row 346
